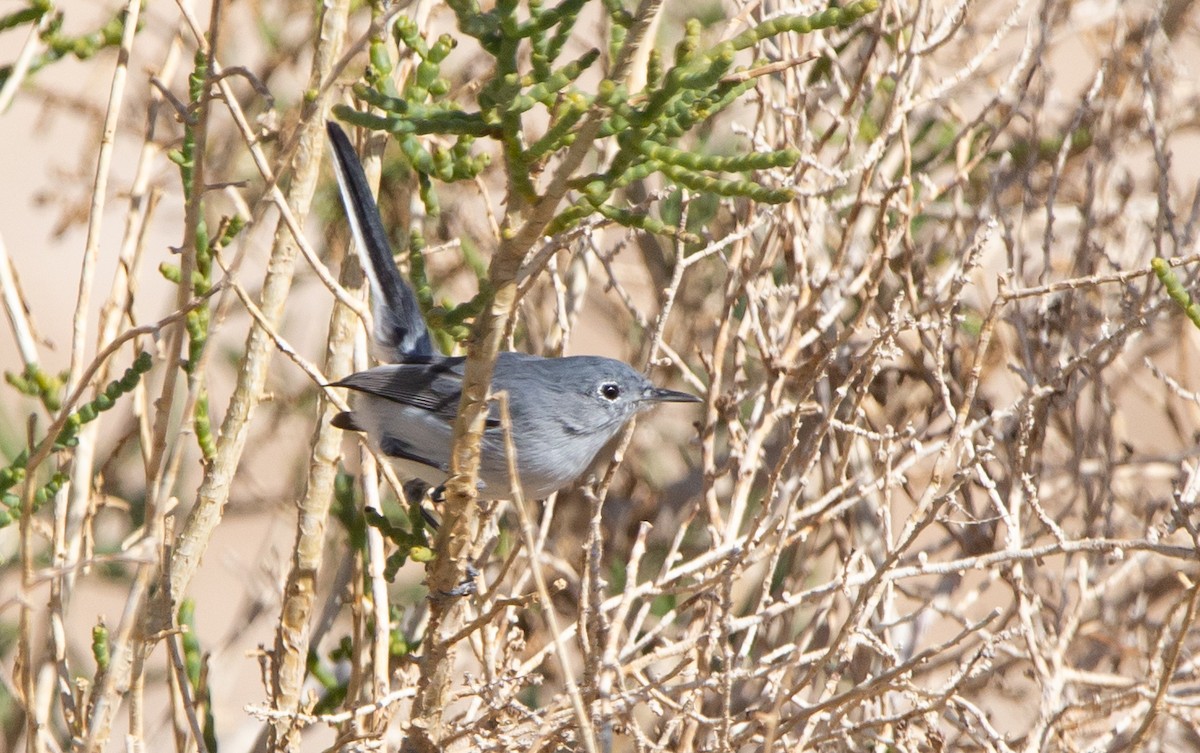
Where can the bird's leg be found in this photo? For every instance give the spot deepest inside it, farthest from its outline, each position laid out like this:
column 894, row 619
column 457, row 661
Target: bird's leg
column 467, row 587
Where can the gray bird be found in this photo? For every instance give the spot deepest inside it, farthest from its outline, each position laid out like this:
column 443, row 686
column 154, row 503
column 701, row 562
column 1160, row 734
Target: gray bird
column 564, row 410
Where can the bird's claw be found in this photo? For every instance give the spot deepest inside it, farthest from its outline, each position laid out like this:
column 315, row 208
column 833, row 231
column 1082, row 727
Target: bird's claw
column 467, row 587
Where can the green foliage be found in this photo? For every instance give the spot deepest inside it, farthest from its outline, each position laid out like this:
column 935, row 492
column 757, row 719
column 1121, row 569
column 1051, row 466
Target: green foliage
column 335, row 692
column 452, row 322
column 192, row 660
column 400, row 645
column 100, row 647
column 205, row 249
column 347, row 510
column 193, row 665
column 448, row 323
column 646, row 125
column 15, row 472
column 411, row 540
column 35, row 382
column 41, row 13
column 1026, row 151
column 410, row 536
column 1162, row 269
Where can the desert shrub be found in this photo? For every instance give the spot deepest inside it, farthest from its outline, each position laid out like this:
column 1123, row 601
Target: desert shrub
column 930, row 268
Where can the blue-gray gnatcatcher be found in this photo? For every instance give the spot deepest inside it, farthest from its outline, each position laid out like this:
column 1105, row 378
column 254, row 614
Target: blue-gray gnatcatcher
column 564, row 410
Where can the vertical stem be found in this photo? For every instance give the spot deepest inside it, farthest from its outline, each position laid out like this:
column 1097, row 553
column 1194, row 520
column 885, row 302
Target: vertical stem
column 26, row 669
column 99, row 188
column 252, row 372
column 71, row 502
column 521, row 231
column 15, row 308
column 157, row 613
column 292, row 640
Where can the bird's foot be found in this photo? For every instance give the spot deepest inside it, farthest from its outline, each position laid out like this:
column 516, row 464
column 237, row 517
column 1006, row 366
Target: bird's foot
column 467, row 587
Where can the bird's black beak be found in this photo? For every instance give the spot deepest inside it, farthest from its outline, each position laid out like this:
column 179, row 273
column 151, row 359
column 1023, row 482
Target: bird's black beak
column 661, row 395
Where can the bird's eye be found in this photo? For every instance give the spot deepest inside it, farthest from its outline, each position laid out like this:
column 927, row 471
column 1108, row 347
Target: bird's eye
column 610, row 391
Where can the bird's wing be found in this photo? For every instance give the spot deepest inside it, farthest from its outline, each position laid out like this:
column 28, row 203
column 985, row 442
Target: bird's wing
column 433, row 385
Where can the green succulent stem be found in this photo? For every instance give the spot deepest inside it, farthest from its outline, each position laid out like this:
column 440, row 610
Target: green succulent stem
column 826, row 19
column 100, row 647
column 57, row 45
column 648, row 128
column 1175, row 290
column 68, row 437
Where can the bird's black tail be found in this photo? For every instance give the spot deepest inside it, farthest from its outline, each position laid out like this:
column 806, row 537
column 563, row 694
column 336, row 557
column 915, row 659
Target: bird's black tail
column 400, row 330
